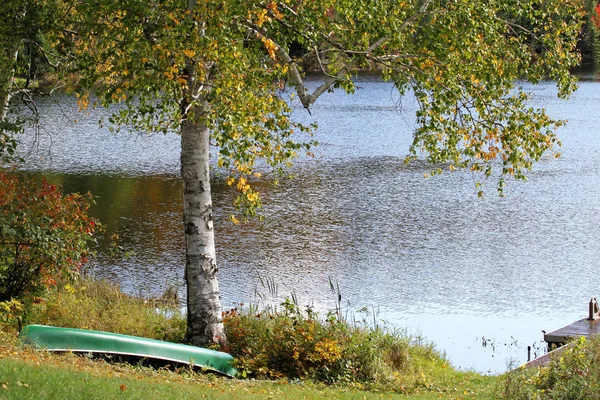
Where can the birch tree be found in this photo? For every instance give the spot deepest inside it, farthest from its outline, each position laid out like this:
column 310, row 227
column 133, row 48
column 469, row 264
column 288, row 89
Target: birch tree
column 12, row 35
column 23, row 26
column 215, row 71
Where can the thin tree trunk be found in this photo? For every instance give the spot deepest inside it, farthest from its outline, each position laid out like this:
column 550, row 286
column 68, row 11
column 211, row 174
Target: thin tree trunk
column 205, row 324
column 4, row 99
column 5, row 89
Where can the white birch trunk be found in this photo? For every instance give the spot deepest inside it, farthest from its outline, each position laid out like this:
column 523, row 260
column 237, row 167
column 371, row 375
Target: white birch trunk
column 205, row 324
column 204, row 320
column 4, row 101
column 7, row 77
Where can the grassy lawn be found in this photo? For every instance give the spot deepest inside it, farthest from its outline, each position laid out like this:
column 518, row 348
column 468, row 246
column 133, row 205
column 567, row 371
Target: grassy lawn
column 29, row 374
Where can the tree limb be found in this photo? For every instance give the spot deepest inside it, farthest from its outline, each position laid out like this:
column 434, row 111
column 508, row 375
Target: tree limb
column 306, row 98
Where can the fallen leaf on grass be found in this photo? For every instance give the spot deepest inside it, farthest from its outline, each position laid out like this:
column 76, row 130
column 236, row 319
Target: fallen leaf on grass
column 123, row 388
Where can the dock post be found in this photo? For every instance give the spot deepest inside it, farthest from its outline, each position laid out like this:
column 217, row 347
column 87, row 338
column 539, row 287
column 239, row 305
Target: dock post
column 594, row 313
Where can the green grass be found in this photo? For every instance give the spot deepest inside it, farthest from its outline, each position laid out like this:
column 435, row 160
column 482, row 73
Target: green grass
column 73, row 377
column 23, row 380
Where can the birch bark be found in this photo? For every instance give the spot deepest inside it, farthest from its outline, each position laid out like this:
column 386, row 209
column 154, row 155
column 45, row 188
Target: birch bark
column 205, row 324
column 6, row 79
column 204, row 321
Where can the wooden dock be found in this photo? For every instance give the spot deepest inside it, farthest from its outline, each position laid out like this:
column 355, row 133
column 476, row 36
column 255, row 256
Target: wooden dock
column 583, row 327
column 586, row 327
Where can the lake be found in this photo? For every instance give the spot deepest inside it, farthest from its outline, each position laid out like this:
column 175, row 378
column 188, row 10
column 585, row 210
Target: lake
column 479, row 277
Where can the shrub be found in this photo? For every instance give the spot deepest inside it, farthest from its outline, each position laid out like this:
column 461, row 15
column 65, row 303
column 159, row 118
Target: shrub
column 44, row 235
column 297, row 344
column 572, row 374
column 8, row 143
column 11, row 312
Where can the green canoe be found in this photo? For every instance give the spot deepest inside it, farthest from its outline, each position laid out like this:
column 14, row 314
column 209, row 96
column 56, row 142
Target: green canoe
column 85, row 341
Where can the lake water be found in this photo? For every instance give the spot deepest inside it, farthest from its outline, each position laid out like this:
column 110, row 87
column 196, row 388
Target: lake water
column 479, row 277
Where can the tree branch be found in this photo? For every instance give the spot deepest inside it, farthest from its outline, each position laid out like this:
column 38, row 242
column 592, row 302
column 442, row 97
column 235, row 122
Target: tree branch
column 295, row 75
column 410, row 19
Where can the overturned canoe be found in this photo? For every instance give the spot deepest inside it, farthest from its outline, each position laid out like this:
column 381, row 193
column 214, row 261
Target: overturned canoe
column 85, row 341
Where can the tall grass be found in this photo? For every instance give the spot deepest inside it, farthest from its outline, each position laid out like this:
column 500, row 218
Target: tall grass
column 101, row 305
column 277, row 341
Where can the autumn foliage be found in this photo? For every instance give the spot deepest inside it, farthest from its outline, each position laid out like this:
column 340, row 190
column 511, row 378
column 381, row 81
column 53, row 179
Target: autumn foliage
column 297, row 343
column 44, row 235
column 596, row 16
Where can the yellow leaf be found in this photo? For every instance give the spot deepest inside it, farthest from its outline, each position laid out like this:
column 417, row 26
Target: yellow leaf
column 252, row 197
column 83, row 102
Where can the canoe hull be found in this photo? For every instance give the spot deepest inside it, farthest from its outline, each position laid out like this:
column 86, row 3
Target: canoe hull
column 87, row 341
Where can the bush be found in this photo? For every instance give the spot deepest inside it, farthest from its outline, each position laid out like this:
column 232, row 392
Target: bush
column 297, row 344
column 44, row 235
column 572, row 374
column 8, row 143
column 10, row 315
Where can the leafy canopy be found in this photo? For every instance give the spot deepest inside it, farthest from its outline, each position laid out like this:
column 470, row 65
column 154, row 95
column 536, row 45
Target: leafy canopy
column 232, row 59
